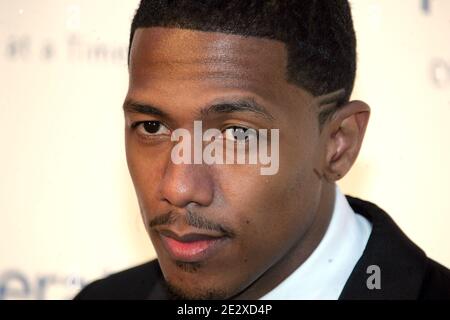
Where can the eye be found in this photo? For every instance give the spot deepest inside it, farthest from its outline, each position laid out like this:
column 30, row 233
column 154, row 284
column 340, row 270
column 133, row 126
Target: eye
column 151, row 128
column 240, row 134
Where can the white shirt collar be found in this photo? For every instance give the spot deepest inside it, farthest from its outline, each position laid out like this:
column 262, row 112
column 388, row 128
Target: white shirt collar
column 324, row 274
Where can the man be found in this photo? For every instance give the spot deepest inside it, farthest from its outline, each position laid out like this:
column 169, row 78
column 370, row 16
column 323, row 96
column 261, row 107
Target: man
column 225, row 230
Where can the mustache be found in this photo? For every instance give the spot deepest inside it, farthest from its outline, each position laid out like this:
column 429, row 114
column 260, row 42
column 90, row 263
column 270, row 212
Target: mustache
column 193, row 220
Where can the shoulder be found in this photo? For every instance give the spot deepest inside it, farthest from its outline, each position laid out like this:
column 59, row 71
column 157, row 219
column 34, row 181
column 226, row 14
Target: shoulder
column 436, row 282
column 405, row 271
column 133, row 283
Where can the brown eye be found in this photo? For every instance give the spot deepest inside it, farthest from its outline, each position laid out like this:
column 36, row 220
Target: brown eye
column 239, row 134
column 151, row 128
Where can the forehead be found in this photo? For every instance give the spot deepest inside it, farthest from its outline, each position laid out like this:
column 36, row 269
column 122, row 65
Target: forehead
column 217, row 58
column 183, row 71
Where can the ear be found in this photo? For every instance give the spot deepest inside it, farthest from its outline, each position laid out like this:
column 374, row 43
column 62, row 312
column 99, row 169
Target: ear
column 344, row 134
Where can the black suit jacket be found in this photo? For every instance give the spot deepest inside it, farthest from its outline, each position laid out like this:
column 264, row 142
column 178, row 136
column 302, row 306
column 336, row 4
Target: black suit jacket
column 406, row 272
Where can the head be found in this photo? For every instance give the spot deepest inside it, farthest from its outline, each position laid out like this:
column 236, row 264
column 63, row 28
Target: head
column 285, row 65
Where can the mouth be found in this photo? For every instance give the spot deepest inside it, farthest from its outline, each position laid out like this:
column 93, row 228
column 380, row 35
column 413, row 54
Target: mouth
column 192, row 247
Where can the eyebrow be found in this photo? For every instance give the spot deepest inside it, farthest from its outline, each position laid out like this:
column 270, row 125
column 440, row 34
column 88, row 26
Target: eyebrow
column 243, row 105
column 144, row 108
column 226, row 107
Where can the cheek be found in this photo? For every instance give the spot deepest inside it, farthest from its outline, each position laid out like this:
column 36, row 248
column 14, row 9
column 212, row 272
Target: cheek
column 272, row 212
column 146, row 165
column 279, row 208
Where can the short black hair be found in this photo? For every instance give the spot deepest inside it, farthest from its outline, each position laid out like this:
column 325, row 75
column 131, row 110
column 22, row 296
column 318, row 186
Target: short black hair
column 318, row 34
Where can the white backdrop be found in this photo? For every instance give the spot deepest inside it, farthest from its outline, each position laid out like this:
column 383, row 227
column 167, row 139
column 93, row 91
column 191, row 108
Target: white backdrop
column 67, row 205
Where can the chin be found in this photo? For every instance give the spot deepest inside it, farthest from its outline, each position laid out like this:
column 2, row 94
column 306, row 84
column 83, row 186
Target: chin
column 181, row 293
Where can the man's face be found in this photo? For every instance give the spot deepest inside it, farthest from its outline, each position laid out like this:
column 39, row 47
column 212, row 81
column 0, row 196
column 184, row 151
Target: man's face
column 218, row 228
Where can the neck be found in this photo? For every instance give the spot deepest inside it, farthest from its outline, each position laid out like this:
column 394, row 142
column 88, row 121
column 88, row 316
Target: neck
column 298, row 254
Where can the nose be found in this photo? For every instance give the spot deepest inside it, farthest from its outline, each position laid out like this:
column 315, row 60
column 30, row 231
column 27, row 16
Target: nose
column 183, row 184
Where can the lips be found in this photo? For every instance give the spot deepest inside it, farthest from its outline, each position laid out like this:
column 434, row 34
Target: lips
column 191, row 247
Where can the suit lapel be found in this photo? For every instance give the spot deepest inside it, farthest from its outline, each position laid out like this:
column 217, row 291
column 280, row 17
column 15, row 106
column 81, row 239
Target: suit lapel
column 401, row 263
